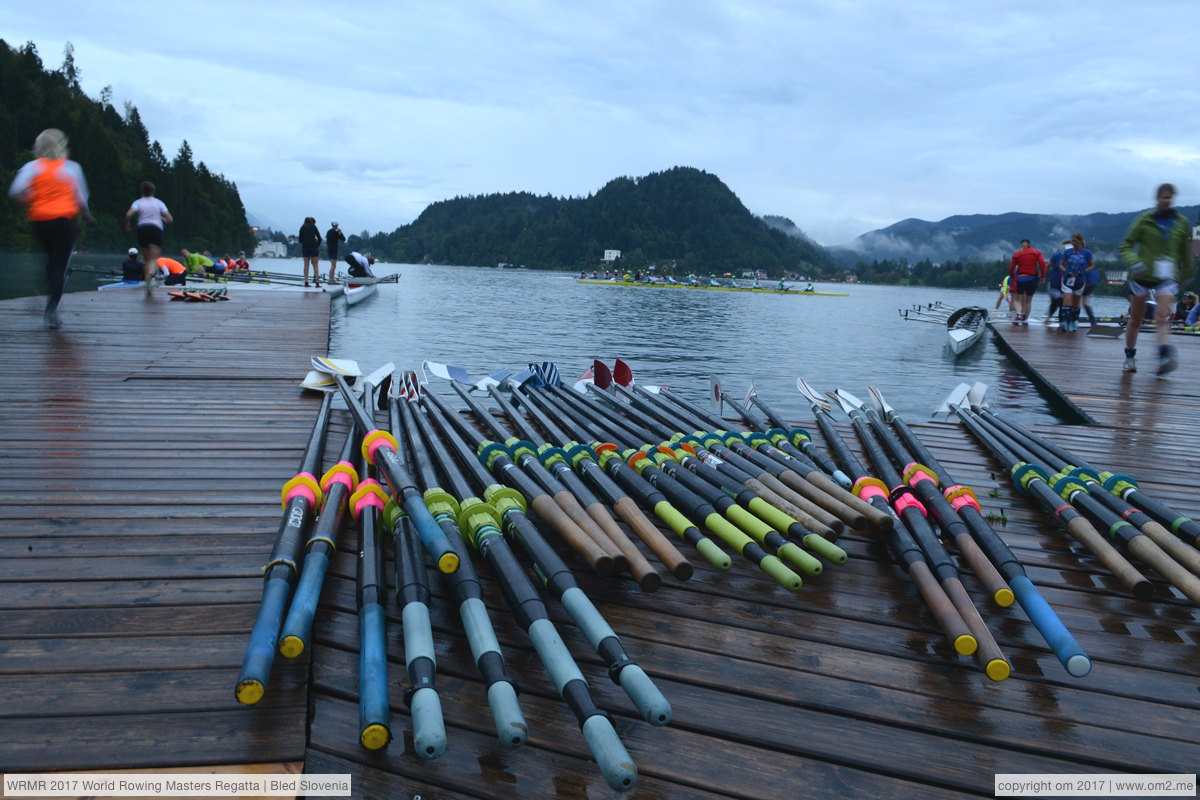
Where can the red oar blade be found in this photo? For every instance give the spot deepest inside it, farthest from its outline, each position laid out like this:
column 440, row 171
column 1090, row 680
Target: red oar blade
column 601, row 374
column 622, row 373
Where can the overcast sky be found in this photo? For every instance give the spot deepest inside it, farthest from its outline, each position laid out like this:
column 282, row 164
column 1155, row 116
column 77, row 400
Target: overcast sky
column 843, row 116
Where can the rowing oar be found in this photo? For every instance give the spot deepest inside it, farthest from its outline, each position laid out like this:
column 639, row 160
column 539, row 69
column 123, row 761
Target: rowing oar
column 798, row 437
column 620, row 502
column 925, row 575
column 380, row 449
column 497, row 459
column 481, row 523
column 552, row 571
column 799, row 471
column 693, row 504
column 1033, row 480
column 1122, row 486
column 717, row 490
column 925, row 485
column 1186, row 555
column 627, row 480
column 914, row 516
column 338, row 483
column 752, row 479
column 774, row 474
column 367, row 505
column 556, row 463
column 776, row 504
column 301, row 496
column 577, row 500
column 1073, row 490
column 965, row 505
column 412, row 592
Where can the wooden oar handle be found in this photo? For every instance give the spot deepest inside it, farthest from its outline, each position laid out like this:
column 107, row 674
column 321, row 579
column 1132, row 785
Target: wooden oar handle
column 642, row 570
column 1117, row 564
column 649, row 533
column 1145, row 549
column 600, row 561
column 984, row 570
column 947, row 616
column 852, row 517
column 988, row 656
column 880, row 520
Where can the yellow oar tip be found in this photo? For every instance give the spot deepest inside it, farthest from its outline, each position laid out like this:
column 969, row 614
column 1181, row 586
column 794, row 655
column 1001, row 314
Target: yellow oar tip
column 448, row 563
column 998, row 669
column 291, row 646
column 375, row 736
column 965, row 644
column 1004, row 597
column 249, row 692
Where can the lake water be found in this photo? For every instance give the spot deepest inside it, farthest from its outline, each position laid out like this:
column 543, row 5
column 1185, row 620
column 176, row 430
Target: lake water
column 482, row 319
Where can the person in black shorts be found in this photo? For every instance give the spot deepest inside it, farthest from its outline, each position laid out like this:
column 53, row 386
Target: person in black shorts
column 310, row 249
column 332, row 237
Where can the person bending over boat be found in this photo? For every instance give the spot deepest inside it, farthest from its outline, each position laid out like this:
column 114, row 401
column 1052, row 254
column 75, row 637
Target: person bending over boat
column 56, row 195
column 152, row 215
column 172, row 272
column 196, row 263
column 1027, row 268
column 1157, row 250
column 359, row 266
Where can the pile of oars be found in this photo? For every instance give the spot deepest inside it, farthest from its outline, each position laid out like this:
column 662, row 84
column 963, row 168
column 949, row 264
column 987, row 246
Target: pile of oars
column 1086, row 501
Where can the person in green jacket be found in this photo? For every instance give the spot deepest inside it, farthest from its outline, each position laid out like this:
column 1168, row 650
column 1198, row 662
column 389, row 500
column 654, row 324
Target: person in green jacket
column 1158, row 252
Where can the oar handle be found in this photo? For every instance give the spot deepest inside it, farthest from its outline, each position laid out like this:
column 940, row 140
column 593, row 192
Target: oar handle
column 293, row 638
column 553, row 515
column 260, row 650
column 1117, row 564
column 988, row 655
column 612, row 758
column 1044, row 618
column 374, row 714
column 1145, row 549
column 944, row 612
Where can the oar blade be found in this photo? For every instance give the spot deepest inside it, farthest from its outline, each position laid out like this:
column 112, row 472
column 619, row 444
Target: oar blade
column 316, row 381
column 601, row 374
column 336, row 366
column 812, row 395
column 977, row 396
column 877, row 396
column 955, row 399
column 715, row 394
column 622, row 373
column 845, row 398
column 446, row 372
column 748, row 400
column 497, row 378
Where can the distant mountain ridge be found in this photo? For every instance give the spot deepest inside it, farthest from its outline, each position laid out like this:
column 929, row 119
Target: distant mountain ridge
column 984, row 237
column 682, row 215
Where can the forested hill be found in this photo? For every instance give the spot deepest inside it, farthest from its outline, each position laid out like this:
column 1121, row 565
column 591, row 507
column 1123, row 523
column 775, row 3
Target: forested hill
column 680, row 215
column 116, row 153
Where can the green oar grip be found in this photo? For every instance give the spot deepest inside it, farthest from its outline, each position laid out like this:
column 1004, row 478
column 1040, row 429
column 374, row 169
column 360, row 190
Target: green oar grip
column 670, row 515
column 826, row 549
column 780, row 573
column 790, row 551
column 770, row 514
column 726, row 531
column 714, row 555
column 748, row 523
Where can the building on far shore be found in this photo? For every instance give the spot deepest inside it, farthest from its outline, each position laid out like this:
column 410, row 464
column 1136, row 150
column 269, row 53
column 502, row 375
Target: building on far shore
column 270, row 250
column 611, row 256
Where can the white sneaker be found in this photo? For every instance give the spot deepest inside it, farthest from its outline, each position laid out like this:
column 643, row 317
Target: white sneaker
column 1130, row 364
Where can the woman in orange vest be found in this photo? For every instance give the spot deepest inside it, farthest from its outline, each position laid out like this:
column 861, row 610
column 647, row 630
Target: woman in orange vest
column 175, row 274
column 56, row 194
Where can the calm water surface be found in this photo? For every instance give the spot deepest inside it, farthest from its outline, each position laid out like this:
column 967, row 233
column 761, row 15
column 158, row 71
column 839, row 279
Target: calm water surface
column 483, row 319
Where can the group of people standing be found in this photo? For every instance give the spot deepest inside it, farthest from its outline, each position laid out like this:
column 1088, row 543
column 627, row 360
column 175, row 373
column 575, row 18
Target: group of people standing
column 1157, row 252
column 310, row 248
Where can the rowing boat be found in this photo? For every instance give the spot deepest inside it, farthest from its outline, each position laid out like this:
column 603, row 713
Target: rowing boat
column 710, row 288
column 965, row 327
column 357, row 292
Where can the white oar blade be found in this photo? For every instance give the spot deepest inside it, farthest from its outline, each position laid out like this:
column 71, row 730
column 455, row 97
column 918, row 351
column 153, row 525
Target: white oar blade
column 336, row 366
column 812, row 395
column 497, row 378
column 887, row 411
column 319, row 382
column 977, row 397
column 446, row 372
column 377, row 376
column 848, row 399
column 715, row 394
column 955, row 399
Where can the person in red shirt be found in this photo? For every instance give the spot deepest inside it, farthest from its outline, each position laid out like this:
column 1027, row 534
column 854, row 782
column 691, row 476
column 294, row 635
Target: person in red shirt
column 1026, row 269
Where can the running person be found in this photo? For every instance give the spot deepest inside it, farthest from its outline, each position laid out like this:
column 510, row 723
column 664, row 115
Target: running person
column 151, row 215
column 310, row 249
column 332, row 237
column 1077, row 264
column 1027, row 268
column 54, row 189
column 1158, row 251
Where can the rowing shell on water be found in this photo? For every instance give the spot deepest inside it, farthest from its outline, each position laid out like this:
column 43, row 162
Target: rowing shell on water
column 965, row 327
column 711, row 288
column 357, row 292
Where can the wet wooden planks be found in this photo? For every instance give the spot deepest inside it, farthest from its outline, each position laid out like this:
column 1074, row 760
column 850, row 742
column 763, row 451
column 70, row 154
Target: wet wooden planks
column 140, row 446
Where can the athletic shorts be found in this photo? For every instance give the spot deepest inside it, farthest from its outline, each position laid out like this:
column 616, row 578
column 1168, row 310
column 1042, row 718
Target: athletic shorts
column 310, row 252
column 175, row 279
column 1026, row 284
column 1089, row 290
column 1168, row 287
column 149, row 234
column 1073, row 285
column 332, row 252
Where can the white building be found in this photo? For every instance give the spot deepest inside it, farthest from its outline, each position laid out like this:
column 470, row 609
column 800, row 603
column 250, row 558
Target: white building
column 270, row 250
column 611, row 256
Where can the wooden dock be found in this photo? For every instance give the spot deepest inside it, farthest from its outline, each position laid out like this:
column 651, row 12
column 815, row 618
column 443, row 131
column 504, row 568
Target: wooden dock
column 144, row 445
